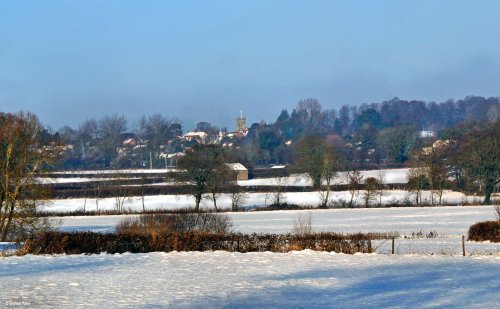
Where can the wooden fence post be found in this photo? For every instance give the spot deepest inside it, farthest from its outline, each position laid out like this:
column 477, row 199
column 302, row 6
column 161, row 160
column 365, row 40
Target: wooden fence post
column 392, row 245
column 463, row 245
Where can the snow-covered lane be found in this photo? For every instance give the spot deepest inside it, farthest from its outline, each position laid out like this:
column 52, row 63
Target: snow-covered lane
column 221, row 279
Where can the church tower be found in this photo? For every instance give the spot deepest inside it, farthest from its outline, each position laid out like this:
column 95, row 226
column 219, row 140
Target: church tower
column 241, row 123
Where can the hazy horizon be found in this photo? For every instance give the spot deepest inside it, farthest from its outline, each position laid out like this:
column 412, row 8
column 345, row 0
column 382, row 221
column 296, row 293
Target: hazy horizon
column 205, row 61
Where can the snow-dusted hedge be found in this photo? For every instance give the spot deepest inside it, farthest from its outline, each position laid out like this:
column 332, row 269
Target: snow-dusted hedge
column 93, row 243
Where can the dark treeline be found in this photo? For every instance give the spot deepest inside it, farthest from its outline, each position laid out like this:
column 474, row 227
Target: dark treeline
column 383, row 134
column 374, row 133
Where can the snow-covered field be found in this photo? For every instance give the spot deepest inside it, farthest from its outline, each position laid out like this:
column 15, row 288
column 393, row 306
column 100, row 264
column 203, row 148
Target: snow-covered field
column 450, row 220
column 302, row 279
column 120, row 172
column 450, row 223
column 390, row 176
column 48, row 180
column 437, row 277
column 312, row 199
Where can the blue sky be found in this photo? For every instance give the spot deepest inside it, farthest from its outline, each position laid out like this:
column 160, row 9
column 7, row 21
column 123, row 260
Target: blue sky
column 206, row 60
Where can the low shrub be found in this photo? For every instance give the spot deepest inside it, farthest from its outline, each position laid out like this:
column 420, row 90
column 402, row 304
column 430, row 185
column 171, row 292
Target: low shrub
column 339, row 204
column 488, row 230
column 175, row 223
column 25, row 227
column 282, row 206
column 302, row 225
column 422, row 234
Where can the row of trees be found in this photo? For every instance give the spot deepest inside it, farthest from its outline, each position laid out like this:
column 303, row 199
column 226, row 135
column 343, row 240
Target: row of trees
column 25, row 152
column 97, row 142
column 374, row 133
column 469, row 162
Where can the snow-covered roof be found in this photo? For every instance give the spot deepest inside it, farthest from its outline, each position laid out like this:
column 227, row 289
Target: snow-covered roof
column 196, row 134
column 130, row 141
column 426, row 134
column 171, row 155
column 236, row 166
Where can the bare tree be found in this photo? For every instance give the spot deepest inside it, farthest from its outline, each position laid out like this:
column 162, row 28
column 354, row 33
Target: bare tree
column 278, row 189
column 318, row 160
column 121, row 191
column 157, row 134
column 371, row 187
column 354, row 180
column 110, row 130
column 23, row 156
column 155, row 131
column 381, row 179
column 480, row 158
column 331, row 164
column 310, row 115
column 198, row 166
column 96, row 188
column 220, row 179
column 434, row 159
column 140, row 131
column 143, row 187
column 89, row 129
column 238, row 196
column 417, row 181
column 87, row 135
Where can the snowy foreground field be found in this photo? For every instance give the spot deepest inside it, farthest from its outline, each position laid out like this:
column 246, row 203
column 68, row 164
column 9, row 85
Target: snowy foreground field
column 302, row 279
column 435, row 277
